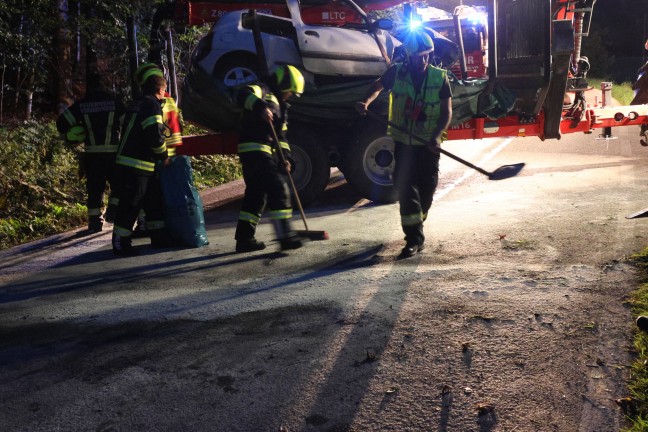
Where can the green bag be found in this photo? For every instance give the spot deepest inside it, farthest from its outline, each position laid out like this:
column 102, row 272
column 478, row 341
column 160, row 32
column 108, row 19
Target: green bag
column 183, row 209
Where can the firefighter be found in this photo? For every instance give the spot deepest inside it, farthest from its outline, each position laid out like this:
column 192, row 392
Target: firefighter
column 420, row 102
column 172, row 131
column 141, row 153
column 264, row 175
column 94, row 121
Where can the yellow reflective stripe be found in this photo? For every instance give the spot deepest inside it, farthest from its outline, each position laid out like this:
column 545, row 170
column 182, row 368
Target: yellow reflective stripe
column 250, row 100
column 412, row 219
column 109, row 126
column 160, row 149
column 249, row 217
column 252, row 146
column 280, row 214
column 174, row 139
column 131, row 123
column 121, row 231
column 94, row 212
column 284, row 127
column 272, row 98
column 88, row 126
column 284, row 145
column 171, row 151
column 69, row 117
column 155, row 119
column 135, row 163
column 101, row 149
column 155, row 225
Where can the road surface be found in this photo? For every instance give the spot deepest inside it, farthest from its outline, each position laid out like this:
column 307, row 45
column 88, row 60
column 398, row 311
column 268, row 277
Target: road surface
column 513, row 318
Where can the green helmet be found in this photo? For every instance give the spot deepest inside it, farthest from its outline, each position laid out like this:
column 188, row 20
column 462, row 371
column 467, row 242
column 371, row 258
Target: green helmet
column 290, row 79
column 418, row 43
column 147, row 70
column 76, row 134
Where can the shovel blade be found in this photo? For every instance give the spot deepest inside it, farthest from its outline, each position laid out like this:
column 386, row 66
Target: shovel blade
column 506, row 171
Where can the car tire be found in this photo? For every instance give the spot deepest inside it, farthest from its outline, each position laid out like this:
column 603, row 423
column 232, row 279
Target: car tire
column 368, row 164
column 311, row 169
column 237, row 70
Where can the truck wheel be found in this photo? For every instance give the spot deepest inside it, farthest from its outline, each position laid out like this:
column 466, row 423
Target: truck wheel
column 368, row 164
column 235, row 71
column 311, row 169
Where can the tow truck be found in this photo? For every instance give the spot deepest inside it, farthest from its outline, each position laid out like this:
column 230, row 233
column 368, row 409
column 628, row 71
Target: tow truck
column 534, row 54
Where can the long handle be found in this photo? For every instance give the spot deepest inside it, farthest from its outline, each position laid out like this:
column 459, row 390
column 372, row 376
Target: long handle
column 421, row 140
column 292, row 183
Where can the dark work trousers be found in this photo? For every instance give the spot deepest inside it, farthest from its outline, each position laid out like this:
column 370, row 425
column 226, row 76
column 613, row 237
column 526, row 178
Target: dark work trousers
column 137, row 191
column 99, row 170
column 416, row 175
column 264, row 182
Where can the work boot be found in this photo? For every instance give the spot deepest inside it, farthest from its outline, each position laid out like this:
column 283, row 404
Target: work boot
column 122, row 246
column 292, row 242
column 411, row 249
column 250, row 245
column 95, row 224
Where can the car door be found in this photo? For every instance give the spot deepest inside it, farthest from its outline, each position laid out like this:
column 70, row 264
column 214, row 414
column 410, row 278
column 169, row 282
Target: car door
column 348, row 50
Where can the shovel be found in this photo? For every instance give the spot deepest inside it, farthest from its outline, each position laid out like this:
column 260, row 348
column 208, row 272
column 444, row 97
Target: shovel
column 311, row 235
column 501, row 173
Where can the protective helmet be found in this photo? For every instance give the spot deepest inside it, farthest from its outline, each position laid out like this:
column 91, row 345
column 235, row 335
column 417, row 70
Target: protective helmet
column 290, row 79
column 147, row 70
column 76, row 134
column 418, row 43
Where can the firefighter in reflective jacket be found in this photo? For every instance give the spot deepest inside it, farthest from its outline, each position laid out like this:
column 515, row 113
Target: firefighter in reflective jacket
column 421, row 103
column 172, row 126
column 94, row 121
column 264, row 175
column 141, row 152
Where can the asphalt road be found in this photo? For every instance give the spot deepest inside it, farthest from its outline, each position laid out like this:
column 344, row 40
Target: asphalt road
column 503, row 323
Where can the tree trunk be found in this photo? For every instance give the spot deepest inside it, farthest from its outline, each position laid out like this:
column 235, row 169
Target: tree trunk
column 62, row 72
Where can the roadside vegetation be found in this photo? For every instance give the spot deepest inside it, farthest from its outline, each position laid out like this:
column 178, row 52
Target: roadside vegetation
column 40, row 190
column 636, row 404
column 622, row 91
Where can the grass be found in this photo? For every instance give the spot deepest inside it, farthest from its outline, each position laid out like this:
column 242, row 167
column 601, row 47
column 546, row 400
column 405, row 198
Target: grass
column 636, row 407
column 41, row 193
column 622, row 92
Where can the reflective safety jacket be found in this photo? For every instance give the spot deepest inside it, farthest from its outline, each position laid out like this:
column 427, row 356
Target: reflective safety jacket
column 417, row 112
column 256, row 134
column 172, row 125
column 142, row 142
column 99, row 114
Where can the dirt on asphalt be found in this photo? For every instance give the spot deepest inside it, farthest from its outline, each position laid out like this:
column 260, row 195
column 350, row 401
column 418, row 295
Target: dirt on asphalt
column 513, row 319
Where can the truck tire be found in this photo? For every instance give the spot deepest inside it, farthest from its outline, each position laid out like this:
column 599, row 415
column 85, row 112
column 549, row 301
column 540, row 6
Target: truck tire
column 237, row 70
column 311, row 170
column 368, row 163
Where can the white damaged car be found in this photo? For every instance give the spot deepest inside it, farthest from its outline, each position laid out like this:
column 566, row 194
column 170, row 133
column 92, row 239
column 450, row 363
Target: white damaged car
column 357, row 47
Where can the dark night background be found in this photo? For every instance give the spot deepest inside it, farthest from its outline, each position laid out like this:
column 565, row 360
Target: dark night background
column 615, row 45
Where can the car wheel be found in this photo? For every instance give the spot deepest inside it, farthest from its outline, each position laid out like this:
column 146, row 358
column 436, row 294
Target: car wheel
column 368, row 164
column 311, row 169
column 235, row 71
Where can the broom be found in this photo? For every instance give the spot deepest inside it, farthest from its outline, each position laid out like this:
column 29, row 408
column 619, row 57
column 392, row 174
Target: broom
column 311, row 235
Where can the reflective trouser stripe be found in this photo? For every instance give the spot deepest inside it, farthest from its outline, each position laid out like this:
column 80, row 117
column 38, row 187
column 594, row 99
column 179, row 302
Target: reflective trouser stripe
column 280, row 214
column 122, row 232
column 412, row 219
column 252, row 146
column 249, row 217
column 155, row 225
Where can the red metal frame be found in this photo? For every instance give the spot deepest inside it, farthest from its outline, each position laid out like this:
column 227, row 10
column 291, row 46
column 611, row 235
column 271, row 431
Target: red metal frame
column 477, row 128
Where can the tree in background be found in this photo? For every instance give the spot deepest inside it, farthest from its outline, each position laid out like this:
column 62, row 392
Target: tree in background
column 46, row 47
